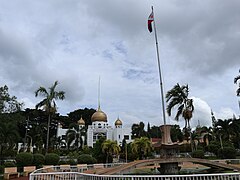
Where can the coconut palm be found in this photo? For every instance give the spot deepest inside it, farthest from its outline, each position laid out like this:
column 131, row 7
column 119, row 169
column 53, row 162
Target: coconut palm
column 141, row 146
column 178, row 96
column 224, row 129
column 75, row 134
column 110, row 148
column 236, row 79
column 49, row 103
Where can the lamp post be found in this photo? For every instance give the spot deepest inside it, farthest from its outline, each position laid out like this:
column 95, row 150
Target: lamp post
column 26, row 134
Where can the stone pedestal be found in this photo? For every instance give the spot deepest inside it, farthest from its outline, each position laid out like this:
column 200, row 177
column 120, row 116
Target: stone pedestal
column 168, row 150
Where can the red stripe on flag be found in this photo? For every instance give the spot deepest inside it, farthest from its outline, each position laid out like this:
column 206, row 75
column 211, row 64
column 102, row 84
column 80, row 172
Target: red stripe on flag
column 150, row 20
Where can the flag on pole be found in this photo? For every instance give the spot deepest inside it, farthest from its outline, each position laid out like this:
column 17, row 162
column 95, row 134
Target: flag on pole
column 150, row 20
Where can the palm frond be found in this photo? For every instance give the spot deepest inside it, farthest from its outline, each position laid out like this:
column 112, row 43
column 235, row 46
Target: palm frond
column 238, row 92
column 41, row 91
column 41, row 103
column 236, row 79
column 179, row 112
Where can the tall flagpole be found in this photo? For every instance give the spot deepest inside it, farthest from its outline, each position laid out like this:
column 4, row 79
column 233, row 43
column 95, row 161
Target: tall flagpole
column 160, row 72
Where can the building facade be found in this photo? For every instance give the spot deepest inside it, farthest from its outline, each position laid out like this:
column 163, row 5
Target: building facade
column 101, row 128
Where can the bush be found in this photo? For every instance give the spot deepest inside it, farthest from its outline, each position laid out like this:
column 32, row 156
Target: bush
column 24, row 159
column 185, row 148
column 72, row 162
column 213, row 147
column 38, row 160
column 51, row 159
column 1, row 169
column 86, row 159
column 198, row 154
column 227, row 153
column 9, row 164
column 62, row 162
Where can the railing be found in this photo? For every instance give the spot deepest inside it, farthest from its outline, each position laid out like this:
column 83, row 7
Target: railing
column 81, row 176
column 68, row 172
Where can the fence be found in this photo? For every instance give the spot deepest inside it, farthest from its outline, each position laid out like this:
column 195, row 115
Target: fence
column 76, row 173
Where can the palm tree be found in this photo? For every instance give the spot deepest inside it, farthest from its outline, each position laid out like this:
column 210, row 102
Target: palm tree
column 236, row 79
column 141, row 146
column 48, row 103
column 75, row 133
column 178, row 96
column 224, row 129
column 110, row 148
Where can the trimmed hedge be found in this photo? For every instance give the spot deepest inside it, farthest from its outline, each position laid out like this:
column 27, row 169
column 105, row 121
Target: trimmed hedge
column 86, row 159
column 38, row 160
column 24, row 159
column 227, row 153
column 198, row 154
column 51, row 159
column 9, row 164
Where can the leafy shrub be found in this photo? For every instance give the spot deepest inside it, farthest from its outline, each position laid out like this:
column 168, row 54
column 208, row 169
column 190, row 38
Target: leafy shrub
column 9, row 164
column 1, row 169
column 51, row 159
column 86, row 159
column 185, row 148
column 227, row 153
column 24, row 159
column 72, row 162
column 213, row 147
column 62, row 162
column 198, row 154
column 38, row 160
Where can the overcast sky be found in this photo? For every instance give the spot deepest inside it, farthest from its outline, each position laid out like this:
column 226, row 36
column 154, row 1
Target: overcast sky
column 76, row 41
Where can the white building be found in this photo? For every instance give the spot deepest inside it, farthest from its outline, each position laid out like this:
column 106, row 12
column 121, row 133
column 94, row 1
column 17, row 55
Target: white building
column 101, row 128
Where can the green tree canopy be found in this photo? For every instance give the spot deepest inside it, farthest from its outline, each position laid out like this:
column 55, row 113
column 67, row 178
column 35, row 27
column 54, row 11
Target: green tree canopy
column 8, row 103
column 142, row 147
column 110, row 148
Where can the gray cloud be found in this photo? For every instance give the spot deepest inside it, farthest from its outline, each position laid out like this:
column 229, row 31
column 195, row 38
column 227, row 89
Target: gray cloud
column 75, row 42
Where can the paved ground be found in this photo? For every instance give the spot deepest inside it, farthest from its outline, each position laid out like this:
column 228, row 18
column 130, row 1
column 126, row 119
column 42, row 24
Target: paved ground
column 21, row 178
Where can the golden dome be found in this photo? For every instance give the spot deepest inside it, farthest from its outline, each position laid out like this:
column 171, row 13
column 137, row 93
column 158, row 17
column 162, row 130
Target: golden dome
column 81, row 121
column 99, row 116
column 118, row 122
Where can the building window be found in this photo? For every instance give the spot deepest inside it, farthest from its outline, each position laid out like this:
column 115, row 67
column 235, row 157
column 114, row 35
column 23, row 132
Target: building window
column 119, row 136
column 126, row 137
column 99, row 125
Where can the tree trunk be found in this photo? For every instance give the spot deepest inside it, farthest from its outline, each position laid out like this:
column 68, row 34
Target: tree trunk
column 48, row 125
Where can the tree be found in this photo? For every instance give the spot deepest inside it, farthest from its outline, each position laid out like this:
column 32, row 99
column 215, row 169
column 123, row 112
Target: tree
column 224, row 129
column 236, row 79
column 85, row 113
column 138, row 130
column 235, row 135
column 75, row 134
column 97, row 150
column 8, row 103
column 176, row 133
column 49, row 103
column 155, row 132
column 110, row 148
column 8, row 137
column 142, row 147
column 178, row 96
